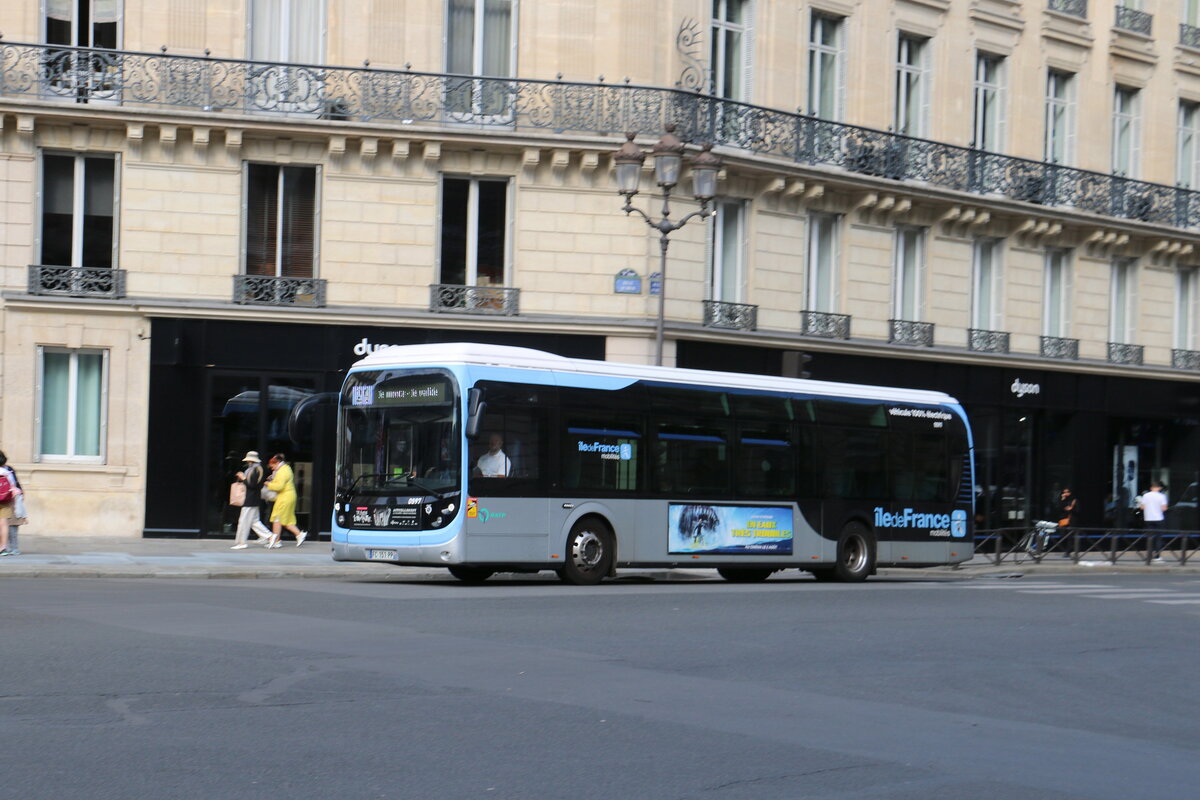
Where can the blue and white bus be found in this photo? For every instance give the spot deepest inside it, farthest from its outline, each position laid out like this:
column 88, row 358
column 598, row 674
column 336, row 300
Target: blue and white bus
column 486, row 459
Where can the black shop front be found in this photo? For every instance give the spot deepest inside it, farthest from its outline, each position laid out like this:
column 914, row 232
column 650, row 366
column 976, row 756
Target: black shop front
column 1035, row 430
column 219, row 388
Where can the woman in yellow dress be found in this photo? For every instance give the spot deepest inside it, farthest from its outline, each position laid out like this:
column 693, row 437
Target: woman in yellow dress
column 283, row 513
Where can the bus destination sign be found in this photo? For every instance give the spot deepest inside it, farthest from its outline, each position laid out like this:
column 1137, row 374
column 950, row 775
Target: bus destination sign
column 394, row 393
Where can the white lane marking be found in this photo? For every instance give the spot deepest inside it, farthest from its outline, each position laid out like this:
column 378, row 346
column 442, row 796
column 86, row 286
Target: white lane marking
column 1176, row 602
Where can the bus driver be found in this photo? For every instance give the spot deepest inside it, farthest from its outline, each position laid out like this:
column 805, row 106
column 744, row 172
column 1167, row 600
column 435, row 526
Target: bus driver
column 494, row 463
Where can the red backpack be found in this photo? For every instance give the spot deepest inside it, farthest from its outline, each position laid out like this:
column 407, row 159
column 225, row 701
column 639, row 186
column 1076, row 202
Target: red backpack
column 6, row 487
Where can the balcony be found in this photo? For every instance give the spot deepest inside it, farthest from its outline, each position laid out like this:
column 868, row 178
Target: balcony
column 404, row 100
column 1189, row 36
column 1059, row 347
column 1185, row 359
column 1131, row 19
column 77, row 281
column 1074, row 8
column 494, row 300
column 982, row 341
column 268, row 290
column 908, row 332
column 1119, row 353
column 731, row 316
column 825, row 325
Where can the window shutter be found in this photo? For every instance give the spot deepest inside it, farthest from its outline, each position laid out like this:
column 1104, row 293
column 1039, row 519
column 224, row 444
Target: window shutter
column 262, row 197
column 926, row 88
column 1002, row 107
column 747, row 95
column 839, row 103
column 299, row 218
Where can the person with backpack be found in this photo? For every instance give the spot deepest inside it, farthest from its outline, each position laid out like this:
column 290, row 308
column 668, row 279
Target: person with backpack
column 10, row 488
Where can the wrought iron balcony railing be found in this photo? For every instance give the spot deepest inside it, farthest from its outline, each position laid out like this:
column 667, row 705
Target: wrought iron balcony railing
column 824, row 324
column 1189, row 35
column 1060, row 347
column 983, row 341
column 1120, row 353
column 1185, row 359
column 403, row 99
column 734, row 316
column 1076, row 8
column 268, row 290
column 500, row 300
column 1132, row 19
column 77, row 281
column 905, row 331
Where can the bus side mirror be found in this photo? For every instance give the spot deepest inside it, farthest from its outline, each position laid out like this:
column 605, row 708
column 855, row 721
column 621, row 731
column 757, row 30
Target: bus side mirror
column 475, row 410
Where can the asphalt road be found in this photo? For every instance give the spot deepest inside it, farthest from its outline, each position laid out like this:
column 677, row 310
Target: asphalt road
column 967, row 689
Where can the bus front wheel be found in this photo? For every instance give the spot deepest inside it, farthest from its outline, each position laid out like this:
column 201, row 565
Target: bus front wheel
column 589, row 555
column 855, row 554
column 471, row 574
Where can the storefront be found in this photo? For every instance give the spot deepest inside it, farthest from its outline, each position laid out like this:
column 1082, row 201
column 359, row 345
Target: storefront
column 220, row 388
column 1036, row 430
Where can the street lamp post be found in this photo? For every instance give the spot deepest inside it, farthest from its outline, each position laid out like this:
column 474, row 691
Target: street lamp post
column 668, row 158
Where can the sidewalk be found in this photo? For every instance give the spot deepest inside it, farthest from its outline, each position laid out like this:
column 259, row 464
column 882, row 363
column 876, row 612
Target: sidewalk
column 135, row 557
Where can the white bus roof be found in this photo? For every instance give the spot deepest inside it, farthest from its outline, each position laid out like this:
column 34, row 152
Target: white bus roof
column 489, row 355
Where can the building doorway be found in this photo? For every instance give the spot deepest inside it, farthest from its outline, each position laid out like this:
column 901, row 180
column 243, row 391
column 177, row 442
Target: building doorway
column 249, row 411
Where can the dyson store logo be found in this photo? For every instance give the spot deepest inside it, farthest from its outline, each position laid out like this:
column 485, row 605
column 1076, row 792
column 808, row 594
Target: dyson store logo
column 1020, row 388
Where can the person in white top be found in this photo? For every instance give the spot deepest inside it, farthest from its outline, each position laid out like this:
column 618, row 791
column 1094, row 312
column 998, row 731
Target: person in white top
column 494, row 463
column 1154, row 506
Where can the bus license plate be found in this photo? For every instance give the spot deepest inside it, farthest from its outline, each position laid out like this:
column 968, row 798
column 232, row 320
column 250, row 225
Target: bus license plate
column 381, row 555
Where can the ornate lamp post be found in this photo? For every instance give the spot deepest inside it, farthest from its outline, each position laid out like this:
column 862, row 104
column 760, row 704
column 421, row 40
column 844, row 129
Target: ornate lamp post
column 668, row 159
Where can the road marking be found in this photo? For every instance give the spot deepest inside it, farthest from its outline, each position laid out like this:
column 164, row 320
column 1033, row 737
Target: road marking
column 1027, row 586
column 1092, row 589
column 1176, row 602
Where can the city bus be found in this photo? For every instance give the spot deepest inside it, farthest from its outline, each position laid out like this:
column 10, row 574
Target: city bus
column 485, row 459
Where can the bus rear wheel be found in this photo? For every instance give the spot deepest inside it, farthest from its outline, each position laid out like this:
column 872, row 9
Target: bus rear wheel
column 589, row 555
column 744, row 574
column 471, row 574
column 855, row 554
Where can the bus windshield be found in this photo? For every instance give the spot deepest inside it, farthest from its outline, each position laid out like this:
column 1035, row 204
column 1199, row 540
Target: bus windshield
column 400, row 433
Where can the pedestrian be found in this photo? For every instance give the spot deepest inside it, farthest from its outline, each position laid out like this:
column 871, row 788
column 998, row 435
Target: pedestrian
column 249, row 519
column 283, row 513
column 8, row 514
column 1154, row 506
column 1067, row 503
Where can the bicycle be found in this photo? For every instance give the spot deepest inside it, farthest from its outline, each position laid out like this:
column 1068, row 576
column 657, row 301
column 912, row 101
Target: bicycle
column 1036, row 543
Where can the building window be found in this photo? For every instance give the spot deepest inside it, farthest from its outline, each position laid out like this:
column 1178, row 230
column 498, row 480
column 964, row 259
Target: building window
column 78, row 201
column 727, row 247
column 1060, row 117
column 281, row 221
column 479, row 37
column 907, row 284
column 985, row 283
column 989, row 102
column 287, row 30
column 1126, row 131
column 72, row 395
column 1056, row 300
column 1186, row 294
column 732, row 49
column 826, row 66
column 474, row 234
column 822, row 262
column 1187, row 159
column 912, row 85
column 1122, row 299
column 83, row 23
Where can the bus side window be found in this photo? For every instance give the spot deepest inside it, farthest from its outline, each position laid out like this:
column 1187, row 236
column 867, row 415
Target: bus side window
column 766, row 461
column 692, row 457
column 519, row 461
column 601, row 453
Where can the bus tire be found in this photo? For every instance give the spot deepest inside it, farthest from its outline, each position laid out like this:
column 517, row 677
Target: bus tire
column 589, row 553
column 471, row 574
column 855, row 554
column 745, row 574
